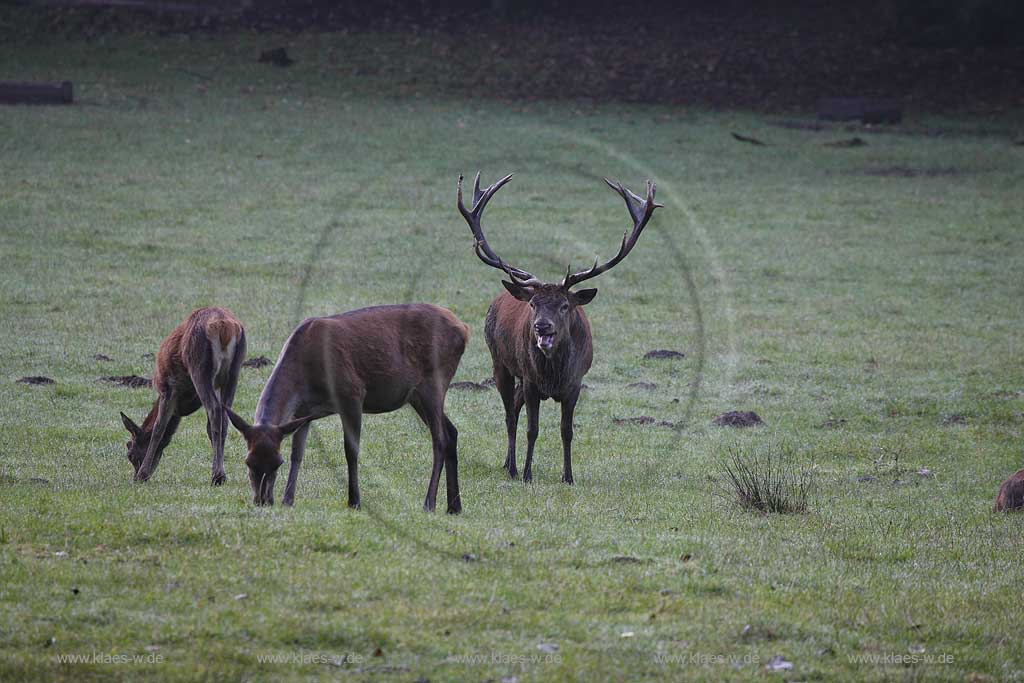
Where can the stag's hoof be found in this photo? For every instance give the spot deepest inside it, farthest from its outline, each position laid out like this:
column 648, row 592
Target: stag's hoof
column 527, row 477
column 354, row 504
column 512, row 473
column 567, row 479
column 142, row 476
column 218, row 479
column 288, row 501
column 454, row 508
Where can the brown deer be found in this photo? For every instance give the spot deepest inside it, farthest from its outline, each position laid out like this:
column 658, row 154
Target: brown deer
column 1011, row 493
column 197, row 366
column 372, row 360
column 538, row 333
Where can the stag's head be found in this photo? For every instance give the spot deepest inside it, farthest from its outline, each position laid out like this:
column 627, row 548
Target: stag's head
column 138, row 442
column 263, row 457
column 553, row 304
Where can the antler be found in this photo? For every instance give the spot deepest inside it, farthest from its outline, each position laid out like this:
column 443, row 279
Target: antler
column 641, row 211
column 483, row 250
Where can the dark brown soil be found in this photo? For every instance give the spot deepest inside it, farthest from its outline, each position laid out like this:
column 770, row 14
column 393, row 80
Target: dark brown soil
column 908, row 172
column 128, row 381
column 645, row 420
column 842, row 144
column 646, row 386
column 469, row 386
column 663, row 353
column 257, row 362
column 832, row 423
column 738, row 418
column 35, row 380
column 721, row 54
column 103, row 358
column 954, row 419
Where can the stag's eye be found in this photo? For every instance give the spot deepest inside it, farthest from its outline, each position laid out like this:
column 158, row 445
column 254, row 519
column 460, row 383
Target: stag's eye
column 565, row 307
column 532, row 304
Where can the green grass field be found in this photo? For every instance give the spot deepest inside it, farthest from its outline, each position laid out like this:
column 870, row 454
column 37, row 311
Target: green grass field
column 865, row 302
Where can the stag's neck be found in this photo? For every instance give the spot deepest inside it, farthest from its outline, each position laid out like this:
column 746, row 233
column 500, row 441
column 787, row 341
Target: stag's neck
column 559, row 374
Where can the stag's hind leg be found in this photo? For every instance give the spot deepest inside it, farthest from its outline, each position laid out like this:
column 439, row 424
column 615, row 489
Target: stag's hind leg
column 512, row 398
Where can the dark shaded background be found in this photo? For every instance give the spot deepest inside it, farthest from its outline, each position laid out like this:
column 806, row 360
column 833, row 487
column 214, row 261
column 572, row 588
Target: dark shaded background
column 929, row 55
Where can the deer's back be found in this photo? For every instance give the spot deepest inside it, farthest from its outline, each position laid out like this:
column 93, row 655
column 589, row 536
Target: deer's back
column 205, row 330
column 382, row 346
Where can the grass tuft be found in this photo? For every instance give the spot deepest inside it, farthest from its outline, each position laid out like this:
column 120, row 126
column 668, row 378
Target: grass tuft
column 766, row 478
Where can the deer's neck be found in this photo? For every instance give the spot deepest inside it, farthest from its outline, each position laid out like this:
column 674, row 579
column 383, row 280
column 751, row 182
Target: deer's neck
column 281, row 397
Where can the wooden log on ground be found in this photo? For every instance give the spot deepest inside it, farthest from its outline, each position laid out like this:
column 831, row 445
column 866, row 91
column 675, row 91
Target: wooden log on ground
column 861, row 109
column 36, row 93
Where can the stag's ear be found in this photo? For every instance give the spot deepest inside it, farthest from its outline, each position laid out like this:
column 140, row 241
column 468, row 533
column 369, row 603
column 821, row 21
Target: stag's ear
column 295, row 425
column 584, row 296
column 241, row 425
column 521, row 292
column 132, row 428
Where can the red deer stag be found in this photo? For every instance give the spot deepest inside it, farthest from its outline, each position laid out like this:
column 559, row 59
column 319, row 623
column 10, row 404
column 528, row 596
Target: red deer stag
column 373, row 360
column 538, row 333
column 196, row 366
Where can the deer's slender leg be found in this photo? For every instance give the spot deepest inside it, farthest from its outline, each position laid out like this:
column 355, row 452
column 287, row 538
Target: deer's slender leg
column 532, row 398
column 351, row 422
column 298, row 450
column 513, row 402
column 164, row 415
column 451, row 468
column 429, row 405
column 568, row 409
column 215, row 416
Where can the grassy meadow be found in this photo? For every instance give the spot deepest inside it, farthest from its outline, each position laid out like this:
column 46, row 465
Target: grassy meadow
column 866, row 302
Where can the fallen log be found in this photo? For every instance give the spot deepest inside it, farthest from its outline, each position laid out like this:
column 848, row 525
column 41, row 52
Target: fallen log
column 36, row 93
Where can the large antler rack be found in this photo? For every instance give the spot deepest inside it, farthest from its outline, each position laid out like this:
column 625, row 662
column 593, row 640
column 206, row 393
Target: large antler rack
column 640, row 210
column 482, row 248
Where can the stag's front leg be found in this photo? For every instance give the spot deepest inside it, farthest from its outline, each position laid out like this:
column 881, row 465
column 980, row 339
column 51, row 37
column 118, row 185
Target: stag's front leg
column 568, row 409
column 532, row 399
column 298, row 450
column 512, row 399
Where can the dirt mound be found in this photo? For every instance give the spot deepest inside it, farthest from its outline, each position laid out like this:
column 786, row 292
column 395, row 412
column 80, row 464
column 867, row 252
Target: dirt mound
column 738, row 418
column 663, row 353
column 128, row 381
column 36, row 380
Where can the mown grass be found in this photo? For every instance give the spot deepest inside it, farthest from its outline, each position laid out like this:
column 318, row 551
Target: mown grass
column 854, row 312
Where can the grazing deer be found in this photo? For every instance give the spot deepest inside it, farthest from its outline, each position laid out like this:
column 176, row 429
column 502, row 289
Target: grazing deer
column 1011, row 493
column 372, row 360
column 538, row 333
column 197, row 366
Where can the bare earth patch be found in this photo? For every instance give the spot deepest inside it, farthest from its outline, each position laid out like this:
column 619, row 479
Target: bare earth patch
column 128, row 381
column 36, row 380
column 102, row 358
column 663, row 353
column 646, row 386
column 738, row 418
column 257, row 362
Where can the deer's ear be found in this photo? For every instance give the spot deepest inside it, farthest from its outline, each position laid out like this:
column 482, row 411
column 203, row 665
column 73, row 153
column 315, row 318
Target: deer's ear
column 241, row 425
column 295, row 425
column 520, row 292
column 132, row 428
column 584, row 296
